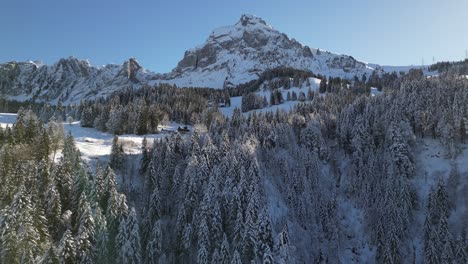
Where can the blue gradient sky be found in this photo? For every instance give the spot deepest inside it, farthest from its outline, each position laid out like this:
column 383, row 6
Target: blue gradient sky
column 391, row 32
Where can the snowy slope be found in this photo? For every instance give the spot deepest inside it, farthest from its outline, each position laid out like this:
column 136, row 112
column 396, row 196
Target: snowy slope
column 7, row 120
column 236, row 102
column 231, row 55
column 239, row 53
column 96, row 145
column 69, row 80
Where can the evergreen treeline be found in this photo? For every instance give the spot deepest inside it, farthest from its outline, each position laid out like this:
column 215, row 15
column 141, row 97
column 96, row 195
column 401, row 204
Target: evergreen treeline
column 457, row 68
column 273, row 187
column 282, row 78
column 141, row 111
column 58, row 212
column 207, row 199
column 13, row 106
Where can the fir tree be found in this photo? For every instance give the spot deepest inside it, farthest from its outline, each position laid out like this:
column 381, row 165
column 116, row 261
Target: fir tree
column 236, row 259
column 67, row 249
column 85, row 239
column 154, row 248
column 283, row 246
column 116, row 156
column 128, row 240
column 224, row 252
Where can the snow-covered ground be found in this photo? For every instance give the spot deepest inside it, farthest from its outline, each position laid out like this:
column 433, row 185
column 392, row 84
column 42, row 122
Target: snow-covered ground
column 374, row 91
column 432, row 166
column 94, row 144
column 435, row 165
column 287, row 105
column 7, row 119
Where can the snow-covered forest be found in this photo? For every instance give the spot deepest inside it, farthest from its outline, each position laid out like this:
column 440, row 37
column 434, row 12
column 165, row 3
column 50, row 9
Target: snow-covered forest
column 340, row 177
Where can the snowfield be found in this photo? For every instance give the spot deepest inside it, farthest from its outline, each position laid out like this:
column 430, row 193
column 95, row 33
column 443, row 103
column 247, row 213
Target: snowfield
column 435, row 165
column 286, row 105
column 96, row 145
column 7, row 119
column 375, row 92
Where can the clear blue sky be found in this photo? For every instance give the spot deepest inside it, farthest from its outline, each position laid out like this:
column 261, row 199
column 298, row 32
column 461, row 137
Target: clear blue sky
column 391, row 32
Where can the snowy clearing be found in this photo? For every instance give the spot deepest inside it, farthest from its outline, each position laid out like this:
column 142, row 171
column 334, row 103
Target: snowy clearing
column 286, row 105
column 7, row 119
column 94, row 144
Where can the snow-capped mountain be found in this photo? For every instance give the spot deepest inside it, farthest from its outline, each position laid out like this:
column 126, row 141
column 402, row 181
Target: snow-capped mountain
column 68, row 79
column 237, row 54
column 231, row 55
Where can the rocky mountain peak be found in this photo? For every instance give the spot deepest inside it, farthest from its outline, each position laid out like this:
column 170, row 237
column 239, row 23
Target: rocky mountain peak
column 131, row 68
column 231, row 55
column 251, row 20
column 72, row 66
column 239, row 53
column 247, row 25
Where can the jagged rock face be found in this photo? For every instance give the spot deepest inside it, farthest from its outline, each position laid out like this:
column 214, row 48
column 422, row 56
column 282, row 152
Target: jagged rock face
column 69, row 80
column 231, row 55
column 131, row 69
column 239, row 53
column 251, row 38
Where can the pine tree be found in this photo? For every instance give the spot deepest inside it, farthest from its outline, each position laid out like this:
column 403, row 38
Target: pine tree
column 443, row 235
column 116, row 156
column 431, row 254
column 107, row 185
column 462, row 131
column 50, row 256
column 145, row 157
column 267, row 257
column 115, row 122
column 250, row 244
column 203, row 241
column 116, row 211
column 238, row 232
column 54, row 211
column 236, row 259
column 224, row 252
column 460, row 251
column 265, row 234
column 128, row 240
column 8, row 236
column 87, row 117
column 22, row 231
column 154, row 248
column 86, row 232
column 202, row 256
column 142, row 120
column 101, row 120
column 283, row 246
column 215, row 259
column 323, row 85
column 80, row 189
column 66, row 249
column 216, row 228
column 63, row 175
column 447, row 253
column 101, row 251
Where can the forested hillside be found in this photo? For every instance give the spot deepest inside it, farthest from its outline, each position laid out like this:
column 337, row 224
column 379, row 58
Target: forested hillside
column 342, row 178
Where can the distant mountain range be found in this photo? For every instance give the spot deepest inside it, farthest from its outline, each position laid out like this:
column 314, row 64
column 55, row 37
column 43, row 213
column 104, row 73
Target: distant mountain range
column 230, row 56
